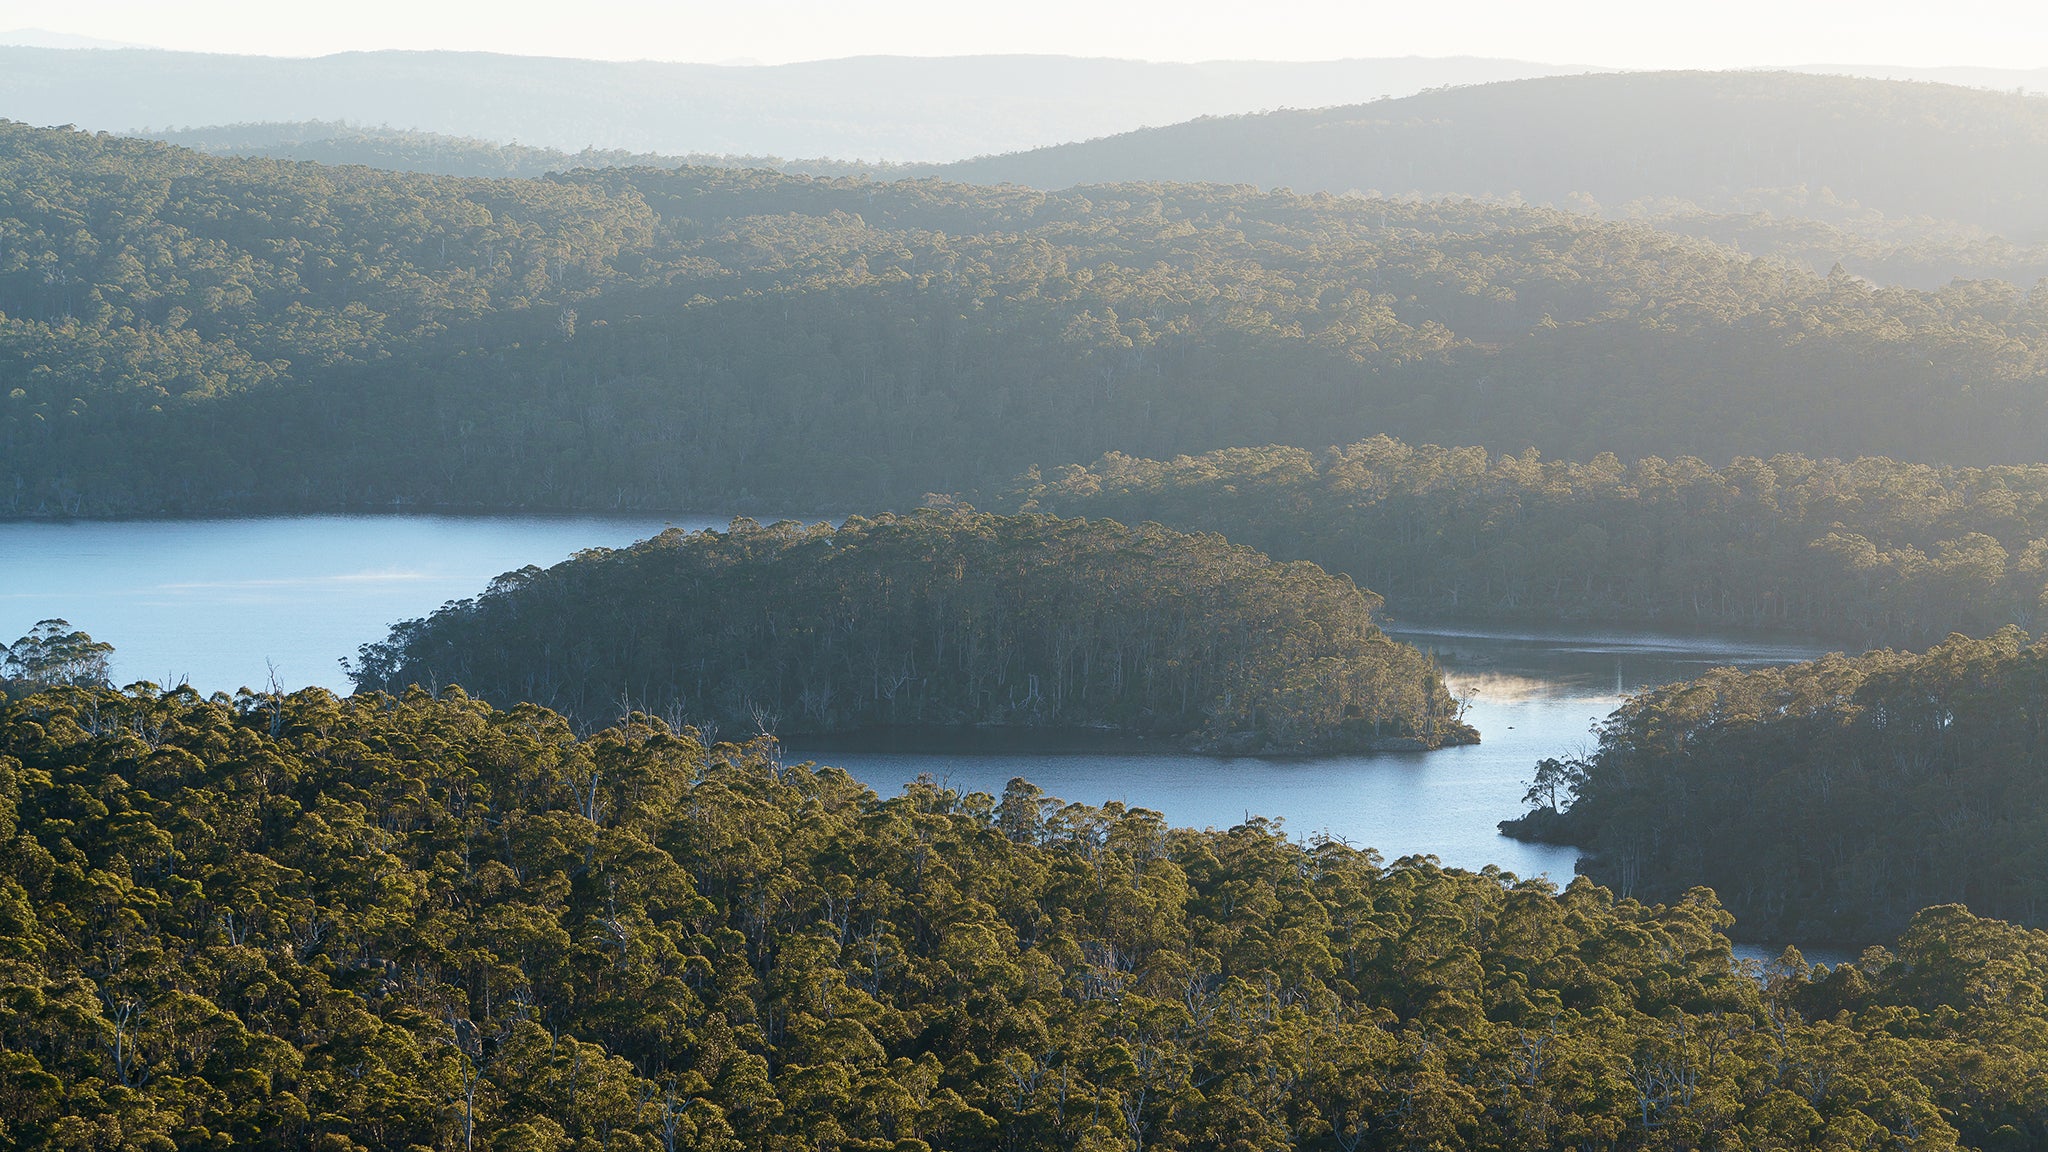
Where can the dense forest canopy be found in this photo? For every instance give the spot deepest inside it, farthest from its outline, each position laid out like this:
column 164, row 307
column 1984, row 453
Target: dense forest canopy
column 184, row 333
column 1914, row 252
column 1872, row 551
column 413, row 923
column 1721, row 140
column 1827, row 800
column 941, row 618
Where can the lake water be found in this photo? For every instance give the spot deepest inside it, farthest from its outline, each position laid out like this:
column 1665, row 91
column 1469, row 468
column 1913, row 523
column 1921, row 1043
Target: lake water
column 211, row 601
column 219, row 603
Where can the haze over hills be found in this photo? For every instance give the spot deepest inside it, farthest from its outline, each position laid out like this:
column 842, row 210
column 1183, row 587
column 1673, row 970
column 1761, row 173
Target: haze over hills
column 45, row 38
column 932, row 109
column 188, row 333
column 437, row 153
column 1820, row 146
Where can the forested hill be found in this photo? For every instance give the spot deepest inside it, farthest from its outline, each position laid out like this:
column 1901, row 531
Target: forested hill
column 1868, row 551
column 406, row 923
column 1816, row 145
column 942, row 619
column 404, row 150
column 184, row 333
column 1827, row 800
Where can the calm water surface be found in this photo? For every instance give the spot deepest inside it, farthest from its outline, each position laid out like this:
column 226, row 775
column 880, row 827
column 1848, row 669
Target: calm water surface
column 1532, row 695
column 210, row 601
column 218, row 602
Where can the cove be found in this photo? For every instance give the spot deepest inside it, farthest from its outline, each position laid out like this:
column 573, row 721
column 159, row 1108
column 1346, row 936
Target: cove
column 228, row 603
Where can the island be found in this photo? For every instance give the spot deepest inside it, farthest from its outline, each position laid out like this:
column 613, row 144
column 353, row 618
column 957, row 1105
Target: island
column 942, row 619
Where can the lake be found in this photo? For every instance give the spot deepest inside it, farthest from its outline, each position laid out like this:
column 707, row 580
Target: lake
column 220, row 603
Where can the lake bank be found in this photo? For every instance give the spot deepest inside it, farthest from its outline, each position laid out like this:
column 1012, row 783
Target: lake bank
column 227, row 603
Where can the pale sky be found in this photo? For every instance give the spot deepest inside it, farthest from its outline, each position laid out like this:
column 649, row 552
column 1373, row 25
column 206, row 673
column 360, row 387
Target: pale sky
column 1617, row 33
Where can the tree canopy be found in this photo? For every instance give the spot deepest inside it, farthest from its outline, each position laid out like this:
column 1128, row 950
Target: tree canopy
column 1870, row 550
column 944, row 618
column 1826, row 800
column 185, row 333
column 402, row 922
column 53, row 653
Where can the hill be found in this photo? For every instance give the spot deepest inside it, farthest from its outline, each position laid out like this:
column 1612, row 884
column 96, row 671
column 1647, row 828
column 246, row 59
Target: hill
column 183, row 333
column 1817, row 145
column 941, row 620
column 402, row 150
column 1870, row 551
column 393, row 923
column 1827, row 800
column 869, row 108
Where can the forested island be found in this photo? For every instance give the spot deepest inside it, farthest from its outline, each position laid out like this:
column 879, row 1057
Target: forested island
column 943, row 619
column 396, row 922
column 1872, row 551
column 1827, row 800
column 181, row 333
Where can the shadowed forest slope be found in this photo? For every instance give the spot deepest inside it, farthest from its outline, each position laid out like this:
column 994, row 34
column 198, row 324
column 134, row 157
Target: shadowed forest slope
column 183, row 333
column 1827, row 800
column 941, row 619
column 1870, row 551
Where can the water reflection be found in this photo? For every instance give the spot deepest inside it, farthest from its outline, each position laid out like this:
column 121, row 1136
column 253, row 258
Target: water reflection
column 1532, row 695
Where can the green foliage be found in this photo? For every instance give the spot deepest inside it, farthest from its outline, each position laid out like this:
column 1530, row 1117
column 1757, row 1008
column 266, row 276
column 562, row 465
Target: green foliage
column 52, row 653
column 417, row 923
column 1872, row 550
column 187, row 333
column 938, row 619
column 1826, row 800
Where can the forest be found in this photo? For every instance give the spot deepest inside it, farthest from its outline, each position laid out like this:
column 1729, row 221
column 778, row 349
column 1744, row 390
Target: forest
column 192, row 334
column 403, row 922
column 942, row 618
column 1835, row 148
column 406, row 150
column 1829, row 799
column 1871, row 551
column 1146, row 441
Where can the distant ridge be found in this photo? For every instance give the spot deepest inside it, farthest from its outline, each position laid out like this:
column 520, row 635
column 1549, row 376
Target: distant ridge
column 44, row 38
column 876, row 107
column 1821, row 146
column 403, row 150
column 1997, row 79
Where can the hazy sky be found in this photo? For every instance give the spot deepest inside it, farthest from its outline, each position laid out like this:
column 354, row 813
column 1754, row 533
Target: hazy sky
column 1623, row 33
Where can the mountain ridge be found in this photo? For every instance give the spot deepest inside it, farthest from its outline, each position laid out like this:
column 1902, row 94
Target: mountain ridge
column 928, row 109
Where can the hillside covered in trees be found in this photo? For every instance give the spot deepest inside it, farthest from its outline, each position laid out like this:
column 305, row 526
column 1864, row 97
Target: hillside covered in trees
column 1826, row 145
column 1913, row 252
column 1826, row 800
column 1872, row 551
column 940, row 619
column 185, row 333
column 406, row 150
column 417, row 923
